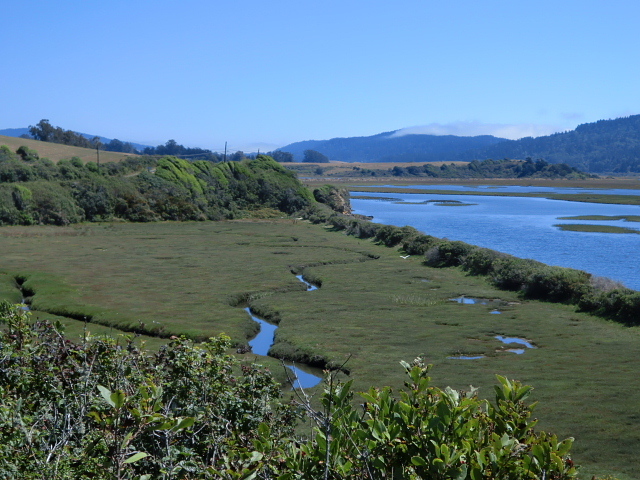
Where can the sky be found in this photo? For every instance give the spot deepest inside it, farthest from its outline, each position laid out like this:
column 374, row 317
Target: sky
column 263, row 74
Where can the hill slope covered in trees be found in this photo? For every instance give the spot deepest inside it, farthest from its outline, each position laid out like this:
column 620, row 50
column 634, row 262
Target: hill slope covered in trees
column 37, row 191
column 606, row 146
column 390, row 147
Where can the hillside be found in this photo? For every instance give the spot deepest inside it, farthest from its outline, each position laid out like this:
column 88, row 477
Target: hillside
column 390, row 147
column 605, row 146
column 56, row 151
column 141, row 189
column 18, row 132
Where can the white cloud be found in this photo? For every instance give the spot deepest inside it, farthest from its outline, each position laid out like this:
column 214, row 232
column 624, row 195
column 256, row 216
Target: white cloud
column 471, row 129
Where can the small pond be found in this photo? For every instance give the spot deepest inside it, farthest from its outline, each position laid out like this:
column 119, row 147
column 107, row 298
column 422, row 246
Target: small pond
column 517, row 341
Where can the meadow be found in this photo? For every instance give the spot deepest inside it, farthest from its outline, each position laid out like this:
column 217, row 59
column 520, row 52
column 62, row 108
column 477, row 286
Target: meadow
column 372, row 310
column 56, row 151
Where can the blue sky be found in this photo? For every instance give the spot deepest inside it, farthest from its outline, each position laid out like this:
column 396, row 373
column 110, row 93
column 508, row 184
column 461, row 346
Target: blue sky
column 261, row 74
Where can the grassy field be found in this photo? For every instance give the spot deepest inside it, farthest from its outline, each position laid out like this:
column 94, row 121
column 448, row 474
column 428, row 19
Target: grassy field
column 56, row 151
column 374, row 308
column 632, row 183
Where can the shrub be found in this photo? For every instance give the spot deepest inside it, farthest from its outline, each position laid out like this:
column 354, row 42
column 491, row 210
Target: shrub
column 448, row 253
column 480, row 261
column 419, row 244
column 557, row 284
column 391, row 236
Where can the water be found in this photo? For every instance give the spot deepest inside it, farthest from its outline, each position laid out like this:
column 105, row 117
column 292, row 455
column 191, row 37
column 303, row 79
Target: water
column 516, row 340
column 523, row 227
column 304, row 377
column 510, row 340
column 310, row 286
column 262, row 342
column 469, row 300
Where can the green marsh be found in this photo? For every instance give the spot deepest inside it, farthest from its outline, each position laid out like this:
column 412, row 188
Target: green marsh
column 374, row 308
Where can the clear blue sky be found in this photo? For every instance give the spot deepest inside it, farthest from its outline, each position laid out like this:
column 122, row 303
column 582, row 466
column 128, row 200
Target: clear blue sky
column 268, row 73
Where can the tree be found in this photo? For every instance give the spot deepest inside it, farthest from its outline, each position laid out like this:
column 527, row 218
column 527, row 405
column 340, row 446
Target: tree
column 43, row 131
column 280, row 156
column 312, row 156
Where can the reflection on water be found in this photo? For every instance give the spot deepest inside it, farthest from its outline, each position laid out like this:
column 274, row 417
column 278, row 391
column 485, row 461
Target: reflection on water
column 519, row 341
column 469, row 301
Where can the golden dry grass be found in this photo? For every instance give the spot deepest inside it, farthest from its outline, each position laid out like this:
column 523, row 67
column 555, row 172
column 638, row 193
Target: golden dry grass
column 56, row 152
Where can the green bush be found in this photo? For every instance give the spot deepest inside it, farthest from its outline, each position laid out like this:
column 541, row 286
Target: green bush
column 448, row 253
column 557, row 284
column 481, row 261
column 621, row 304
column 419, row 244
column 104, row 409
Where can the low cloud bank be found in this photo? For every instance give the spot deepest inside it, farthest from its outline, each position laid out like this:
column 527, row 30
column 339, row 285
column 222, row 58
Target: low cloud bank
column 472, row 129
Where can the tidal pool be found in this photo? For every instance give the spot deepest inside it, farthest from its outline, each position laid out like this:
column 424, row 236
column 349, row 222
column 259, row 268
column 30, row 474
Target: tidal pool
column 516, row 340
column 469, row 300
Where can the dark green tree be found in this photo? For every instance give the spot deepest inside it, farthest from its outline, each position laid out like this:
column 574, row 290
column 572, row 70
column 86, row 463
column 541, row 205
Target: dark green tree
column 313, row 156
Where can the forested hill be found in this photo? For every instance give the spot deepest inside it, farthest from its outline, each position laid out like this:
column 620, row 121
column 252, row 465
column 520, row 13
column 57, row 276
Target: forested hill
column 606, row 146
column 38, row 191
column 391, row 147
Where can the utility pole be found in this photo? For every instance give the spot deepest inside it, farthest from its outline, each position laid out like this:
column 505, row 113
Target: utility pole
column 225, row 151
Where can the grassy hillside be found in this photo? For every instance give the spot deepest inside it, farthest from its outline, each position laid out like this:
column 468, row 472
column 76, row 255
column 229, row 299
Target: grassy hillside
column 56, row 152
column 373, row 306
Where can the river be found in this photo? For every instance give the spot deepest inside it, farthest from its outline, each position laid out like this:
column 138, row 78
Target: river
column 521, row 226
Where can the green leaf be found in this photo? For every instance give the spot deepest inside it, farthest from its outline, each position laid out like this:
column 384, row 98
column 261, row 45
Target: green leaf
column 256, row 456
column 106, row 394
column 135, row 457
column 418, row 461
column 462, row 472
column 184, row 423
column 118, row 398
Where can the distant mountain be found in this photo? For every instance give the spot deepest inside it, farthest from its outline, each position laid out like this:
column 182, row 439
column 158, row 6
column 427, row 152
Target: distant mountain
column 391, row 147
column 14, row 132
column 605, row 146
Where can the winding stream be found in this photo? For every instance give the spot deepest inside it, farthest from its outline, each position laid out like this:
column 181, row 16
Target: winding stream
column 261, row 343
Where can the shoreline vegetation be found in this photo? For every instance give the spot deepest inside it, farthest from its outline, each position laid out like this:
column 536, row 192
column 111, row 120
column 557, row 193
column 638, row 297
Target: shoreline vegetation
column 189, row 278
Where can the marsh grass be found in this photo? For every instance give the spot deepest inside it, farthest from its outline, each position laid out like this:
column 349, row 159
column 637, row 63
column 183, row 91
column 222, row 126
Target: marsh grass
column 373, row 308
column 416, row 300
column 595, row 228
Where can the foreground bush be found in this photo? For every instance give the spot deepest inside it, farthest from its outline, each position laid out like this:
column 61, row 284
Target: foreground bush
column 102, row 409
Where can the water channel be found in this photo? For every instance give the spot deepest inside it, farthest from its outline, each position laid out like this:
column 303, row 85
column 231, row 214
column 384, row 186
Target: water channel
column 304, row 377
column 521, row 226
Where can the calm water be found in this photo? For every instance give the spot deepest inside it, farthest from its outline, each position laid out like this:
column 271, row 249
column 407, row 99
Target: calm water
column 521, row 226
